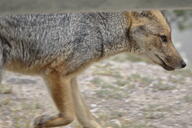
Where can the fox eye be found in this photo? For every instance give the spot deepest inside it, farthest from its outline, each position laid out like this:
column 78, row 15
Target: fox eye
column 163, row 38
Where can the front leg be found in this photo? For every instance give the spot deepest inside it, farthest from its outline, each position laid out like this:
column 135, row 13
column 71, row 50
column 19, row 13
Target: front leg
column 84, row 116
column 60, row 90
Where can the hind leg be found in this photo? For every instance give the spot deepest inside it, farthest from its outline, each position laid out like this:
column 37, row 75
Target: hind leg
column 84, row 116
column 60, row 90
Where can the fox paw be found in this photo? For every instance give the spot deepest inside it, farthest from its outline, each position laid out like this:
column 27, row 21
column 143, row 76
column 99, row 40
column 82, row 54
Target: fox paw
column 41, row 121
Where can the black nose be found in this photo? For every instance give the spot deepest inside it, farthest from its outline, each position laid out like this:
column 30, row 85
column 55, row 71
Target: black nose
column 183, row 64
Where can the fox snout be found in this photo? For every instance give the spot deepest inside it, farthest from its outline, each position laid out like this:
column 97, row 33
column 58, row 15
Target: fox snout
column 180, row 65
column 171, row 63
column 183, row 64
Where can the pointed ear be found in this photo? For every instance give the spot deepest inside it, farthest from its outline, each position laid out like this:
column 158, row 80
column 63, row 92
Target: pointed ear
column 141, row 13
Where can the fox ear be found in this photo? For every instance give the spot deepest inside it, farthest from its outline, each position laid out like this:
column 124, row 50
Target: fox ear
column 142, row 14
column 145, row 13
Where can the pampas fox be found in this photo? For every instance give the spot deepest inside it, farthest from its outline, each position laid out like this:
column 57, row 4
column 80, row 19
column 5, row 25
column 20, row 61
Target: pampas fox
column 59, row 47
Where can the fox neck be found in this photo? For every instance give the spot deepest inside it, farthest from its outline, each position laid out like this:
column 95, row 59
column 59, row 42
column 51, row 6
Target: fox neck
column 117, row 37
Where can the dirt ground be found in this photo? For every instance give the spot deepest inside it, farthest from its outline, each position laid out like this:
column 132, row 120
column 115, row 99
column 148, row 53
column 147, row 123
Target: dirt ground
column 121, row 94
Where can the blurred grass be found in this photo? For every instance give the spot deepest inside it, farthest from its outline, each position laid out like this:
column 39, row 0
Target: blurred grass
column 188, row 98
column 160, row 86
column 112, row 85
column 5, row 89
column 187, row 72
column 128, row 57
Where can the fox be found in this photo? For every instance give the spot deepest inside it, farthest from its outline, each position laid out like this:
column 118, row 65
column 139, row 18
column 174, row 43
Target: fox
column 59, row 47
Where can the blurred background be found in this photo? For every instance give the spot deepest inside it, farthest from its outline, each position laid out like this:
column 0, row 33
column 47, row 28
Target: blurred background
column 181, row 23
column 124, row 91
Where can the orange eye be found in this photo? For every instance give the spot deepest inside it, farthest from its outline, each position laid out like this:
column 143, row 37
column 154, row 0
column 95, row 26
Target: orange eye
column 163, row 38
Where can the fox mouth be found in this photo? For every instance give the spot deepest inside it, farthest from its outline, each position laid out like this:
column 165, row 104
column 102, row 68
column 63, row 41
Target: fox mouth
column 164, row 65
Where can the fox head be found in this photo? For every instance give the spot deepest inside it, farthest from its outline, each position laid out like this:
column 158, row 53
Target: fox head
column 150, row 33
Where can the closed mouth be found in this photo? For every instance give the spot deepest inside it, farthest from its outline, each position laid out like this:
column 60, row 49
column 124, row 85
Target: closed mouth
column 164, row 65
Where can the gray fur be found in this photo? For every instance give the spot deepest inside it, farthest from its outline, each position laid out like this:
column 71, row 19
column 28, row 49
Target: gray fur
column 70, row 40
